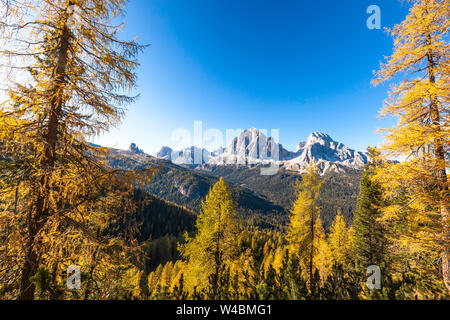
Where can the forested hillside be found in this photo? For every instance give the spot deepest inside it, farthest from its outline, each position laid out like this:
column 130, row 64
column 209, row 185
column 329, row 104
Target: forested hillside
column 262, row 200
column 188, row 188
column 339, row 192
column 161, row 225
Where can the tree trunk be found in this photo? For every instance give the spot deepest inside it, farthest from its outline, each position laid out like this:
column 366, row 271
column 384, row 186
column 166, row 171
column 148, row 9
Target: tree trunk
column 29, row 268
column 42, row 210
column 445, row 252
column 441, row 174
column 311, row 253
column 218, row 262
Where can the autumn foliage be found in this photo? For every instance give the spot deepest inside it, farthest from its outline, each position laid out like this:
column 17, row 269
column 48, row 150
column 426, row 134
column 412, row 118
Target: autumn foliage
column 63, row 203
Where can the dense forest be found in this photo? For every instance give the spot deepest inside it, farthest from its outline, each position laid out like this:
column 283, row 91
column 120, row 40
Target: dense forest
column 339, row 191
column 65, row 203
column 226, row 261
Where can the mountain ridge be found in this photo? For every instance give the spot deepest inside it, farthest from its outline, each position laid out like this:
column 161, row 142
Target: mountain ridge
column 252, row 147
column 263, row 200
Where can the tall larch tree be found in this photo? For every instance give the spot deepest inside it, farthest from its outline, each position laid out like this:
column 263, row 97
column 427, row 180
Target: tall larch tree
column 339, row 240
column 421, row 104
column 324, row 258
column 73, row 78
column 214, row 247
column 305, row 232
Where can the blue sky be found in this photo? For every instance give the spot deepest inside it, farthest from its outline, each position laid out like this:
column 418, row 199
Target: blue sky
column 294, row 65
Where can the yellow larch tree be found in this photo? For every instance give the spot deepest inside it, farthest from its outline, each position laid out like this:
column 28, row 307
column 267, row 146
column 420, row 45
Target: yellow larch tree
column 339, row 240
column 305, row 233
column 57, row 193
column 214, row 247
column 420, row 138
column 324, row 258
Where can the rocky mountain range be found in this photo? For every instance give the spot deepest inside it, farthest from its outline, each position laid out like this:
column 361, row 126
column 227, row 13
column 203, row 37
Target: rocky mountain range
column 252, row 148
column 184, row 177
column 263, row 200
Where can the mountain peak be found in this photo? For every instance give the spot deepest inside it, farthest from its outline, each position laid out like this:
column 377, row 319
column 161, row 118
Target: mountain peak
column 165, row 153
column 318, row 136
column 189, row 155
column 253, row 131
column 134, row 148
